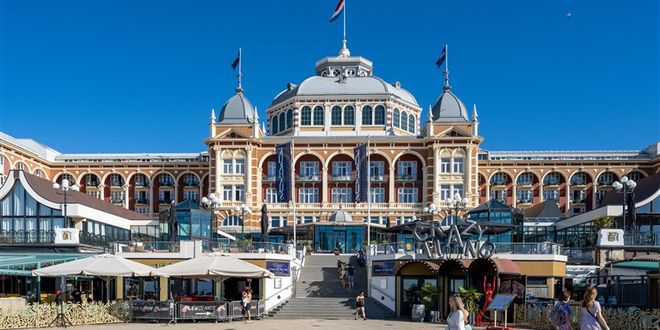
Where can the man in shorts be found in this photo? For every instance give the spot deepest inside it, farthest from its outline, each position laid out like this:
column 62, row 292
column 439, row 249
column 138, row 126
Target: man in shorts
column 351, row 273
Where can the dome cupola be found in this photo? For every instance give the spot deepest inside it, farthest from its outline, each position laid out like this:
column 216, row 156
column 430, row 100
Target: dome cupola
column 449, row 108
column 237, row 110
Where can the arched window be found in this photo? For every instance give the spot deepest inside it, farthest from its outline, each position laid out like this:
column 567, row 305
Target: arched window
column 282, row 127
column 306, row 116
column 336, row 115
column 319, row 115
column 404, row 120
column 396, row 118
column 635, row 175
column 233, row 221
column 349, row 115
column 289, row 119
column 366, row 115
column 379, row 116
column 412, row 124
column 274, row 125
column 20, row 166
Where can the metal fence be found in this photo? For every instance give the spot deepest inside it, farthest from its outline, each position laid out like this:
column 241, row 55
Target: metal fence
column 500, row 248
column 218, row 311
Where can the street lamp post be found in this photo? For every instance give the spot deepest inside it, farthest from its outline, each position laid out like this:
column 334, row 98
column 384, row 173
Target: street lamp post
column 212, row 202
column 243, row 209
column 456, row 203
column 626, row 186
column 65, row 187
column 432, row 210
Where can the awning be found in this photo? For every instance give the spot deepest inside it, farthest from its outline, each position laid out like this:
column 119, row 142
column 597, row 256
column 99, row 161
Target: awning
column 22, row 264
column 637, row 264
column 494, row 265
column 213, row 265
column 461, row 265
column 432, row 266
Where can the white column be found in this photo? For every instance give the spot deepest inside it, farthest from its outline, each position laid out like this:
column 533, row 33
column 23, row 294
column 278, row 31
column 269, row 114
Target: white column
column 594, row 190
column 218, row 168
column 514, row 198
column 467, row 171
column 358, row 116
column 391, row 184
column 326, row 122
column 126, row 196
column 568, row 198
column 436, row 174
column 324, row 184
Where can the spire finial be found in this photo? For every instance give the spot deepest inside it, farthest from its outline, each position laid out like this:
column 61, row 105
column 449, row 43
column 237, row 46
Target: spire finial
column 430, row 119
column 475, row 115
column 212, row 116
column 239, row 76
column 447, row 86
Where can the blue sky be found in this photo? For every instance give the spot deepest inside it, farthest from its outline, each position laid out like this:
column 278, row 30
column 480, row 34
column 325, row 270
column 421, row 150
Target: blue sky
column 142, row 76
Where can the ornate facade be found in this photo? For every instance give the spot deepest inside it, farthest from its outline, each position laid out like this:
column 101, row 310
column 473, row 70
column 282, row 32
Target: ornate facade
column 412, row 164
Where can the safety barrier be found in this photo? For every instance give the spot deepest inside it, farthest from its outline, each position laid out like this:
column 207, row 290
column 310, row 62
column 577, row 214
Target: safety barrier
column 218, row 311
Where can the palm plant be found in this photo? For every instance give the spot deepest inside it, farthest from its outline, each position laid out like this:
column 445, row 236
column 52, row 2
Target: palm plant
column 428, row 295
column 470, row 298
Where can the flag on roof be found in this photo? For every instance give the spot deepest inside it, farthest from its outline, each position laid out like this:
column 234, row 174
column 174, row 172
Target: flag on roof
column 236, row 61
column 338, row 11
column 442, row 58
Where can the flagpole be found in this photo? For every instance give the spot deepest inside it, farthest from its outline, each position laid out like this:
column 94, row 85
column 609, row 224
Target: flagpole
column 240, row 69
column 293, row 195
column 446, row 65
column 368, row 252
column 344, row 40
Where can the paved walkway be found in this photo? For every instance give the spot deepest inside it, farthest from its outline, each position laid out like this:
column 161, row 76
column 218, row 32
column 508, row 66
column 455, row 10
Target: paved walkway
column 271, row 324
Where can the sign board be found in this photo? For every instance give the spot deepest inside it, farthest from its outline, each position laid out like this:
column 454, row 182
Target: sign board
column 382, row 268
column 501, row 302
column 67, row 236
column 279, row 268
column 152, row 310
column 610, row 237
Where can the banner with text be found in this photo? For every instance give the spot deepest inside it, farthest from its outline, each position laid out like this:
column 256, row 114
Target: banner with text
column 283, row 172
column 361, row 173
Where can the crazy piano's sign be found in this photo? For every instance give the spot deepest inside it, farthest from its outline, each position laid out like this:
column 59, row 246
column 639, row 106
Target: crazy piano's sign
column 452, row 242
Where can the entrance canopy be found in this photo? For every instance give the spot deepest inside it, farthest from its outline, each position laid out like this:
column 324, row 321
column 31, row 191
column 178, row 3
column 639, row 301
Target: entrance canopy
column 213, row 265
column 103, row 265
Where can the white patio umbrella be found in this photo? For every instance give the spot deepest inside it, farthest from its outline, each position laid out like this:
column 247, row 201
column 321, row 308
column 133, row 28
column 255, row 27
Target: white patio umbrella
column 213, row 265
column 106, row 266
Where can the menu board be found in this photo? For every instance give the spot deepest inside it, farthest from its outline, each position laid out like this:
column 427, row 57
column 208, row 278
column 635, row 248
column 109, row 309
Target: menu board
column 501, row 301
column 279, row 268
column 153, row 310
column 382, row 268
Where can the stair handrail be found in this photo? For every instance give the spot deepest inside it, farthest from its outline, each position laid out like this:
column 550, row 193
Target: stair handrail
column 278, row 292
column 382, row 292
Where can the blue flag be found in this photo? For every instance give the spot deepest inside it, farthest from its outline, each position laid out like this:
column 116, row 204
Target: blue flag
column 442, row 58
column 237, row 60
column 283, row 172
column 361, row 173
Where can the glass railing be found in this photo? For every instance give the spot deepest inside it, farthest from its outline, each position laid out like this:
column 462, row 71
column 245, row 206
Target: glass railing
column 500, row 248
column 218, row 245
column 580, row 256
column 38, row 237
column 642, row 239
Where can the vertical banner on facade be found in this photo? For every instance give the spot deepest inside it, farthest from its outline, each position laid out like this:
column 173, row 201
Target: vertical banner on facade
column 283, row 172
column 361, row 173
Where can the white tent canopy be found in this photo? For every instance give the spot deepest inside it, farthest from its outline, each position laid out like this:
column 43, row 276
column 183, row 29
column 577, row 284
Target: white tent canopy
column 213, row 265
column 103, row 265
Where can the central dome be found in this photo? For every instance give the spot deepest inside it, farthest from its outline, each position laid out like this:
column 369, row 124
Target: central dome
column 341, row 216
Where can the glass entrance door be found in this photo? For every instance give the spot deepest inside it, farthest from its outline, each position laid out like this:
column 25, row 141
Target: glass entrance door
column 410, row 286
column 340, row 240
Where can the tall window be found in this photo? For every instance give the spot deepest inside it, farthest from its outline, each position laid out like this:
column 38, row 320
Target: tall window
column 458, row 165
column 377, row 169
column 227, row 166
column 277, row 221
column 379, row 115
column 282, row 122
column 165, row 179
column 635, row 175
column 271, row 195
column 319, row 115
column 68, row 177
column 95, row 194
column 377, row 195
column 551, row 194
column 551, row 179
column 192, row 195
column 309, row 168
column 412, row 124
column 445, row 165
column 308, row 195
column 407, row 195
column 240, row 166
column 306, row 116
column 341, row 169
column 271, row 169
column 524, row 196
column 233, row 221
column 367, row 115
column 396, row 118
column 444, row 192
column 606, row 178
column 239, row 193
column 525, row 179
column 165, row 196
column 117, row 197
column 226, row 193
column 498, row 179
column 289, row 118
column 349, row 115
column 116, row 180
column 499, row 195
column 579, row 178
column 407, row 169
column 341, row 195
column 404, row 120
column 274, row 126
column 20, row 166
column 190, row 179
column 336, row 115
column 458, row 190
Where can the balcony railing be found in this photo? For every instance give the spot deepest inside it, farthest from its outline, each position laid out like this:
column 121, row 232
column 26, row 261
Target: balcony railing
column 116, row 184
column 642, row 239
column 409, row 177
column 524, row 183
column 578, row 182
column 308, row 178
column 191, row 183
column 342, row 178
column 141, row 184
column 32, row 237
column 141, row 201
column 524, row 201
column 267, row 178
column 551, row 182
column 166, row 183
column 498, row 183
column 165, row 200
column 379, row 178
column 92, row 184
column 578, row 200
column 116, row 200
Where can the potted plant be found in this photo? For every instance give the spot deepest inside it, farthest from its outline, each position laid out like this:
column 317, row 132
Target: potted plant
column 428, row 295
column 471, row 300
column 604, row 222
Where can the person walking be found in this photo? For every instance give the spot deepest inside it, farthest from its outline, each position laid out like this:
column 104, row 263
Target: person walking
column 561, row 314
column 247, row 304
column 350, row 271
column 592, row 318
column 458, row 316
column 359, row 306
column 343, row 276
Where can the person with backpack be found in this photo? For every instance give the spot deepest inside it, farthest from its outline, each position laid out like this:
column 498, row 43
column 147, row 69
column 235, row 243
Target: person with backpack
column 561, row 312
column 592, row 318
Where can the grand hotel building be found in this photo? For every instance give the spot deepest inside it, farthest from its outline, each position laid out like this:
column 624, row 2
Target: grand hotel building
column 413, row 163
